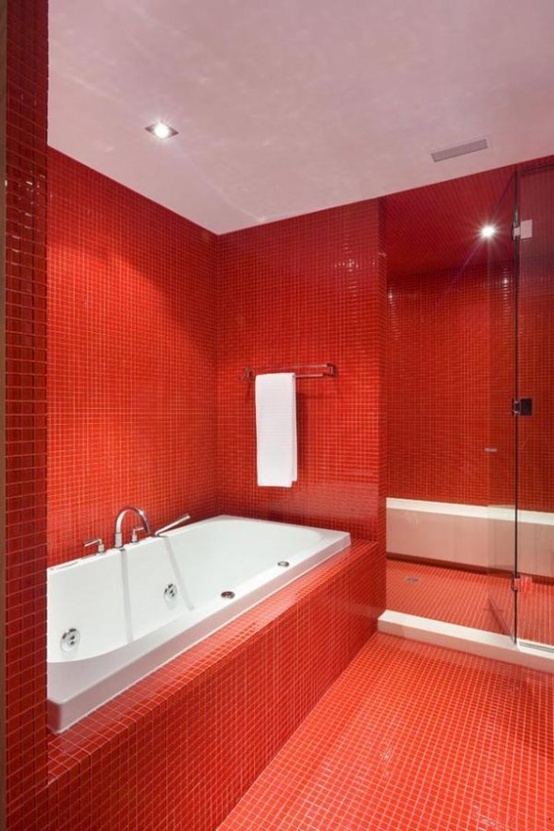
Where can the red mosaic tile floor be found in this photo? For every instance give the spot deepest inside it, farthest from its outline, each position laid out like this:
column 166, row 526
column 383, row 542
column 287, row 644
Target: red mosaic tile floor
column 462, row 597
column 447, row 594
column 414, row 737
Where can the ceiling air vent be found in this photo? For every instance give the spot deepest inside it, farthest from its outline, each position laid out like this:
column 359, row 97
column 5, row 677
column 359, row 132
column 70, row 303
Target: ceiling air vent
column 460, row 149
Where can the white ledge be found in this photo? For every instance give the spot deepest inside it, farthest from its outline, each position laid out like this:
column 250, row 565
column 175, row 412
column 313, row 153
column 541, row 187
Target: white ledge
column 465, row 639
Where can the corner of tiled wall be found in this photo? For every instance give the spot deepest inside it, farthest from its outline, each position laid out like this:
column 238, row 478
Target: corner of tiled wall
column 308, row 290
column 131, row 359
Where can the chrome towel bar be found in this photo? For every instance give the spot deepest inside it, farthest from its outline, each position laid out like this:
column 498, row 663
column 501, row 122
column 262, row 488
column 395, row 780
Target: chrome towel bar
column 327, row 370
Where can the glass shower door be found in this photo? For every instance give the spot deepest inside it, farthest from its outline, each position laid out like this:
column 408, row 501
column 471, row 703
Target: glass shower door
column 501, row 449
column 535, row 421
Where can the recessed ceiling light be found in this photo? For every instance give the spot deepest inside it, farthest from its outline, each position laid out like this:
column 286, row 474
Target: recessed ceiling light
column 161, row 130
column 488, row 231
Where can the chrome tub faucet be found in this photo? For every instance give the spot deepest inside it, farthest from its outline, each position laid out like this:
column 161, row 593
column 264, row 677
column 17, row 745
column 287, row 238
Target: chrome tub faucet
column 118, row 534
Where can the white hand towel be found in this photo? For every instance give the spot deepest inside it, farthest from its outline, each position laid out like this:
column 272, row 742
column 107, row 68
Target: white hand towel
column 276, row 429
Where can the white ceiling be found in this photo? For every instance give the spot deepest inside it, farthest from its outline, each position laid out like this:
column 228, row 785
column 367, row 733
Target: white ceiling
column 291, row 106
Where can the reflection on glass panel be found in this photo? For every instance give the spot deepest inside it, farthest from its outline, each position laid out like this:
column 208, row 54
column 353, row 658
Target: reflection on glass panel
column 535, row 453
column 500, row 449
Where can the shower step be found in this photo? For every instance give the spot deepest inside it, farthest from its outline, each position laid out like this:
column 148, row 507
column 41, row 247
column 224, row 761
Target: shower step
column 465, row 639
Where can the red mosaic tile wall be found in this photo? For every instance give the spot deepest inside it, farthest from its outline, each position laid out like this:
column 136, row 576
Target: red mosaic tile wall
column 131, row 360
column 502, row 294
column 451, row 359
column 438, row 343
column 179, row 748
column 535, row 346
column 25, row 411
column 307, row 290
column 438, row 386
column 536, row 343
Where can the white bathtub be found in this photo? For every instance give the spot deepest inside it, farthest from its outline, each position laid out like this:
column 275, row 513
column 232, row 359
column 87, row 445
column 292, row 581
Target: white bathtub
column 473, row 535
column 125, row 613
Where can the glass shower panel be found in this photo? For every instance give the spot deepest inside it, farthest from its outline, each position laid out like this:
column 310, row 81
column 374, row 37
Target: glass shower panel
column 502, row 280
column 535, row 385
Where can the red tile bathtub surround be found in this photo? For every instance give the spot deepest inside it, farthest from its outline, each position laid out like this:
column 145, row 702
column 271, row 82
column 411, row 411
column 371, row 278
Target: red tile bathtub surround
column 307, row 290
column 25, row 51
column 131, row 361
column 178, row 749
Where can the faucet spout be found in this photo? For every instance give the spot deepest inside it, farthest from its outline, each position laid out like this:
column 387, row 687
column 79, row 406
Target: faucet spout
column 118, row 533
column 161, row 531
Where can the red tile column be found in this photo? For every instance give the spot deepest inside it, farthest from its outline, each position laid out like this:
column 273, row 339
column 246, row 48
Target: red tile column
column 25, row 423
